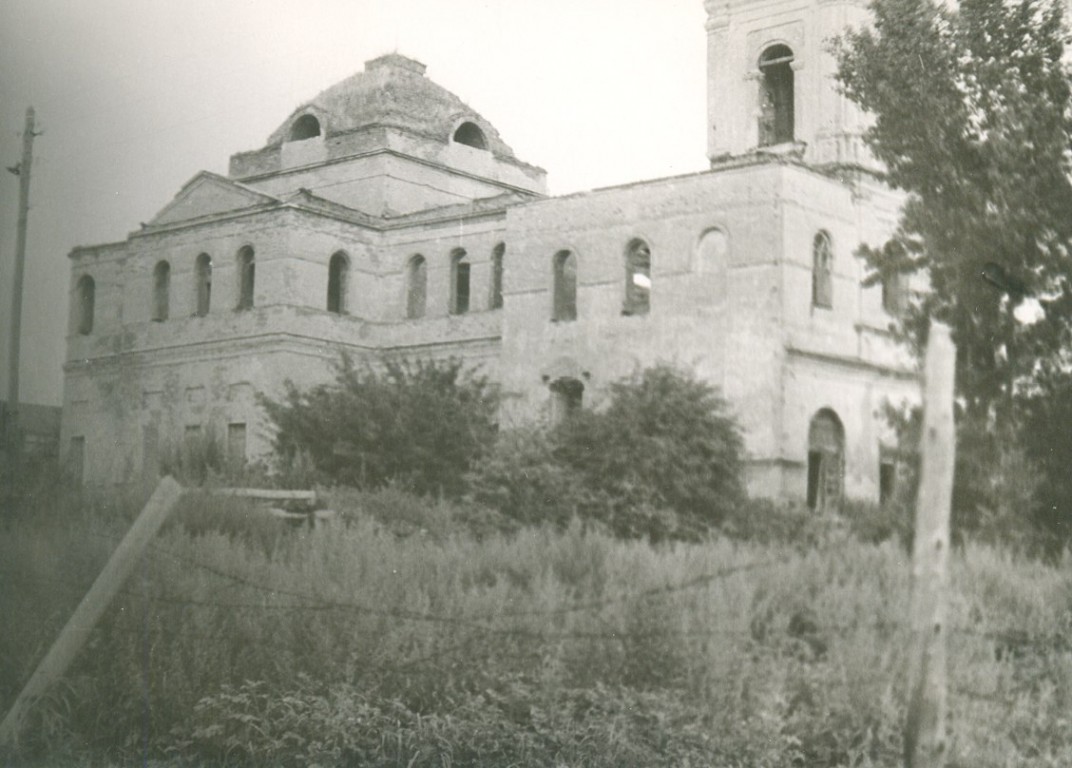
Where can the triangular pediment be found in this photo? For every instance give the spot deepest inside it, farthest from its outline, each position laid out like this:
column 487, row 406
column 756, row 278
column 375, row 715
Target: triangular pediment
column 208, row 194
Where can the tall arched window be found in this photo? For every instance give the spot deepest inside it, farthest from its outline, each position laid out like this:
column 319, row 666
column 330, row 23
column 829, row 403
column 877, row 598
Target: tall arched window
column 338, row 282
column 776, row 96
column 459, row 282
column 637, row 279
column 203, row 278
column 85, row 298
column 161, row 290
column 822, row 271
column 564, row 306
column 826, row 461
column 246, row 274
column 497, row 276
column 416, row 286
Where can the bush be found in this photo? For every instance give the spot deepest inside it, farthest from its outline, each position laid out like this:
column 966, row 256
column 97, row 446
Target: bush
column 662, row 461
column 420, row 424
column 524, row 480
column 666, row 441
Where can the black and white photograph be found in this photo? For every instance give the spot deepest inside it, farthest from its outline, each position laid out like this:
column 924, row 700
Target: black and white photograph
column 565, row 384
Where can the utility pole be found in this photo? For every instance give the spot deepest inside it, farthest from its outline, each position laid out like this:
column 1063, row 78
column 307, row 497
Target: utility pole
column 22, row 170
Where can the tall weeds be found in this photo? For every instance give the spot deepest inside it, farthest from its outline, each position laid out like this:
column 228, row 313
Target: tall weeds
column 415, row 645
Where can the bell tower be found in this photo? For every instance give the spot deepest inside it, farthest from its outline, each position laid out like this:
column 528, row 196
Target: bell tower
column 770, row 81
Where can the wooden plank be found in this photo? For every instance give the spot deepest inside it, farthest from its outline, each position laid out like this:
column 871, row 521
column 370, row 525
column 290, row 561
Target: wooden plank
column 85, row 617
column 925, row 742
column 264, row 493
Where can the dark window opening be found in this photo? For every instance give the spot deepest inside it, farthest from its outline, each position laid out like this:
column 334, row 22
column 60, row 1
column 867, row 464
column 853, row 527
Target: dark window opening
column 204, row 284
column 161, row 289
column 338, row 274
column 246, row 274
column 236, row 444
column 416, row 287
column 305, row 127
column 470, row 135
column 887, row 481
column 894, row 293
column 776, row 96
column 815, row 464
column 86, row 300
column 826, row 461
column 459, row 282
column 497, row 276
column 637, row 279
column 822, row 272
column 567, row 397
column 565, row 287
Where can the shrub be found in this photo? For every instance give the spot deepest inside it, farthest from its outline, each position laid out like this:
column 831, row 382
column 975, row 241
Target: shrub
column 666, row 441
column 524, row 480
column 661, row 461
column 418, row 423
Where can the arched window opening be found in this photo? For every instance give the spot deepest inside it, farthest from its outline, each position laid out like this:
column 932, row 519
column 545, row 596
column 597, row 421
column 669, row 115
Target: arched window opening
column 203, row 276
column 637, row 279
column 567, row 397
column 711, row 257
column 776, row 96
column 826, row 461
column 161, row 289
column 416, row 287
column 246, row 274
column 86, row 298
column 305, row 127
column 822, row 271
column 497, row 256
column 459, row 282
column 565, row 287
column 470, row 135
column 338, row 280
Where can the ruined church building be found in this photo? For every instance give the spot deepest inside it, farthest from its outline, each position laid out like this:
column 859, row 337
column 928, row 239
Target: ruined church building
column 386, row 216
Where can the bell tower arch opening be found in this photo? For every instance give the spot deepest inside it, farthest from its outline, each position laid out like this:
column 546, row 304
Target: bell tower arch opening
column 776, row 118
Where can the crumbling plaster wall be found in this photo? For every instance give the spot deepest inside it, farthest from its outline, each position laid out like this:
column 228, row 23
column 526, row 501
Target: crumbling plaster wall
column 747, row 324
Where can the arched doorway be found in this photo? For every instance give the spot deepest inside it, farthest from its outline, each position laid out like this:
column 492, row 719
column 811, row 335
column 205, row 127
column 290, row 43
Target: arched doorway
column 826, row 461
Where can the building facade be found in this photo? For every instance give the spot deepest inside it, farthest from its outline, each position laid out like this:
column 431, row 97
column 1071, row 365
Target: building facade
column 385, row 216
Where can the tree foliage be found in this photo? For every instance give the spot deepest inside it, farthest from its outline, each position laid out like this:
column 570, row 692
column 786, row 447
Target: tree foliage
column 666, row 440
column 420, row 424
column 661, row 460
column 973, row 119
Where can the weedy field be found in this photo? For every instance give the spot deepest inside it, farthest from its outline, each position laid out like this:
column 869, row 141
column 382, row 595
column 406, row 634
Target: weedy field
column 422, row 642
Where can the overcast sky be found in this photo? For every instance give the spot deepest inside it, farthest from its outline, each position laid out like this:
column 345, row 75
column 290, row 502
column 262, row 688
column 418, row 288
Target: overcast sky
column 136, row 96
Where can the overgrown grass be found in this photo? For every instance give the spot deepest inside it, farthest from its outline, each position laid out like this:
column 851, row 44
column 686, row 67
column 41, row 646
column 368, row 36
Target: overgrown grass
column 385, row 643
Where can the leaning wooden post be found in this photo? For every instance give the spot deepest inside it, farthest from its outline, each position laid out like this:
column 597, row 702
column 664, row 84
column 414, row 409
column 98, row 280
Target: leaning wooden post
column 925, row 745
column 86, row 615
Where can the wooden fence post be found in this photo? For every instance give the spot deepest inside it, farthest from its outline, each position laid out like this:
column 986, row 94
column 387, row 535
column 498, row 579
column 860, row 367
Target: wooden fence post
column 78, row 627
column 925, row 745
